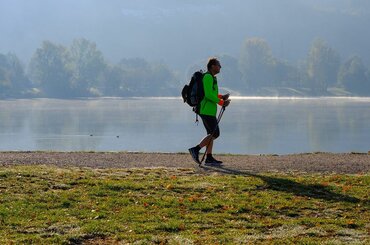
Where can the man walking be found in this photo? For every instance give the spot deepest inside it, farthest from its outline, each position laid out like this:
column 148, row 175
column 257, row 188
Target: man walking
column 208, row 111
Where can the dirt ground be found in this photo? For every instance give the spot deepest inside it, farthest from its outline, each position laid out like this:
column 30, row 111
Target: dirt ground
column 349, row 163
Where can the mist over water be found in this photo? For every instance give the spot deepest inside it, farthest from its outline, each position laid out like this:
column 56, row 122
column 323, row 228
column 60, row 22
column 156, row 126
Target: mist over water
column 249, row 125
column 162, row 30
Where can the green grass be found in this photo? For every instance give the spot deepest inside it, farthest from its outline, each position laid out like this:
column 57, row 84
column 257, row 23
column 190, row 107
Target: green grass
column 44, row 205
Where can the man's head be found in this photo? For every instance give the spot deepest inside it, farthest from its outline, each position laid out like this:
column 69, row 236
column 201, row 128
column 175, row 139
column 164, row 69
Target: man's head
column 213, row 66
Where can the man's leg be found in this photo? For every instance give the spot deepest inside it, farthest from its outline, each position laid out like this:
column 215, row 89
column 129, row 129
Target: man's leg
column 208, row 140
column 211, row 126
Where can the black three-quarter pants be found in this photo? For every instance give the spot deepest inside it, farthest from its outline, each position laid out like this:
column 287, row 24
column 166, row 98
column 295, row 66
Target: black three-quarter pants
column 210, row 123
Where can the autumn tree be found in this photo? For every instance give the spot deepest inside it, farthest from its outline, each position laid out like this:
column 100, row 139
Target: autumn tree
column 256, row 63
column 87, row 67
column 353, row 76
column 13, row 80
column 48, row 69
column 322, row 66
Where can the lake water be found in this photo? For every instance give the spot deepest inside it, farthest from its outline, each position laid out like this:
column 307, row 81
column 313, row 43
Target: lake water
column 248, row 126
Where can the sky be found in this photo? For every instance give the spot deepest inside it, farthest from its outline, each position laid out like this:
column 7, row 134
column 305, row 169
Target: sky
column 180, row 33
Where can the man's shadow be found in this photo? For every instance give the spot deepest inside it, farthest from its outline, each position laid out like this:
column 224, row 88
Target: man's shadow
column 285, row 185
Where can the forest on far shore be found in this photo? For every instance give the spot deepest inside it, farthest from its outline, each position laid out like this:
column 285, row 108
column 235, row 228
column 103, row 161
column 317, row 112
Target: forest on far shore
column 81, row 70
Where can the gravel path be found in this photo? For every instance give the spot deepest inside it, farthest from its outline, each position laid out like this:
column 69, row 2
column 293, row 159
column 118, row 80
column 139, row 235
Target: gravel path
column 310, row 163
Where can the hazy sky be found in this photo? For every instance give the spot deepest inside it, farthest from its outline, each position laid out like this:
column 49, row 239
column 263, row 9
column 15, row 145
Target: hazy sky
column 182, row 32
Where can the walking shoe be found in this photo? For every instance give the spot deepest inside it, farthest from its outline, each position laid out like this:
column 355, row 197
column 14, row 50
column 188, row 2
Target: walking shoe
column 211, row 160
column 195, row 155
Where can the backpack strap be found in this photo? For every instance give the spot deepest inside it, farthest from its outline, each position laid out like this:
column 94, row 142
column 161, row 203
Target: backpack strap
column 196, row 115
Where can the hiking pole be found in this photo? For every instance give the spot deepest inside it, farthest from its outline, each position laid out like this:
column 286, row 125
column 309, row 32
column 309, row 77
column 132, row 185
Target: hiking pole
column 214, row 130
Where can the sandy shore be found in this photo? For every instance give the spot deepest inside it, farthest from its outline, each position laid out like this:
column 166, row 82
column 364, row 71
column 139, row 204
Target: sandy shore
column 311, row 163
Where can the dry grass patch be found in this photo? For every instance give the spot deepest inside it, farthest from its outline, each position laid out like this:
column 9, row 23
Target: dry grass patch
column 44, row 204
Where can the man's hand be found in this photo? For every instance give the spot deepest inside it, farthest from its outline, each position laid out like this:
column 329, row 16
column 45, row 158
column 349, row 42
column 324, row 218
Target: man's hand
column 226, row 103
column 225, row 96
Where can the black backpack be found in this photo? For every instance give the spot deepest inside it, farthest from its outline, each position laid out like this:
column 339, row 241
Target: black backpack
column 193, row 93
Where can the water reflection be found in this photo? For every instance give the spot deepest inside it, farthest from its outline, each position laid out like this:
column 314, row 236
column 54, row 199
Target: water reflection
column 252, row 126
column 289, row 126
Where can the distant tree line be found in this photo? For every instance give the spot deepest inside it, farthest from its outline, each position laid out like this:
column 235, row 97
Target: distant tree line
column 13, row 80
column 80, row 70
column 258, row 72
